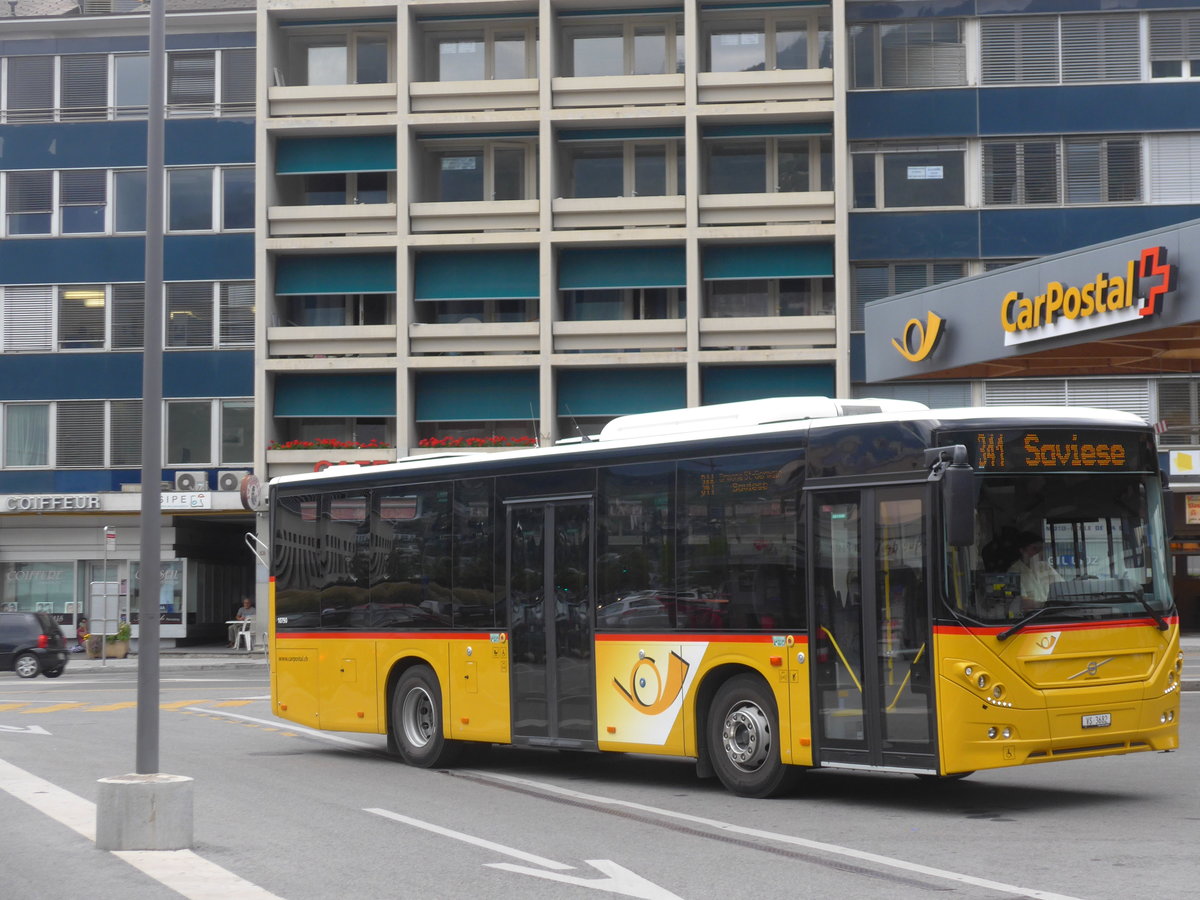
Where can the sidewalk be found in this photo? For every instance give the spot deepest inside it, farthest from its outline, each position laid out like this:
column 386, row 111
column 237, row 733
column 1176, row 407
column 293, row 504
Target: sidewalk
column 175, row 659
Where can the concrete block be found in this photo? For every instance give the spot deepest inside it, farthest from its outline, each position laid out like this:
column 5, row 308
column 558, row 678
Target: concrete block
column 144, row 812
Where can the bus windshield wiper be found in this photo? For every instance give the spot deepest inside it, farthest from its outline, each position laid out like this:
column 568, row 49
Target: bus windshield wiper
column 1041, row 611
column 1158, row 619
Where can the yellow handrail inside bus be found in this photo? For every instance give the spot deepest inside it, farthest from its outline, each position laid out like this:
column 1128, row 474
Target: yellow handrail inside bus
column 907, row 676
column 842, row 657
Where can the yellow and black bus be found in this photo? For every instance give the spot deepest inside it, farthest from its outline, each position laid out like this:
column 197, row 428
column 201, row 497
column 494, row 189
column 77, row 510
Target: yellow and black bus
column 762, row 587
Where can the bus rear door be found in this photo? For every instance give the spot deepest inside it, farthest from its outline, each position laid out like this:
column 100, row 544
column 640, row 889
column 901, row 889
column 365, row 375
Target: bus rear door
column 871, row 641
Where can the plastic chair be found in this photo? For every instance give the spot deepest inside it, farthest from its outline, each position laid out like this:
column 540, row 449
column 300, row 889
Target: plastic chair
column 245, row 636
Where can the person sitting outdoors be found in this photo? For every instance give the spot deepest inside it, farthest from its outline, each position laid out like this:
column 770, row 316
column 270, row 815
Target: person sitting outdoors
column 244, row 614
column 1036, row 574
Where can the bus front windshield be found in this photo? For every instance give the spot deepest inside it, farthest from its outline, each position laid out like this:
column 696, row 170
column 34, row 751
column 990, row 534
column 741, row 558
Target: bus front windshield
column 1062, row 548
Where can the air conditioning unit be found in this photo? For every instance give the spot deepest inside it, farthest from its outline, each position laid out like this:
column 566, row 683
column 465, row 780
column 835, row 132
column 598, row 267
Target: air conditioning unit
column 231, row 479
column 191, row 481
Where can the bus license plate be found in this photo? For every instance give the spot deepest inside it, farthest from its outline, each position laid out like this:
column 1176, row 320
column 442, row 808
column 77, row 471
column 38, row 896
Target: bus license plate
column 1099, row 720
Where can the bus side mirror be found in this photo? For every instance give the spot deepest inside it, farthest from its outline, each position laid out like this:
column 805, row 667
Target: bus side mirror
column 958, row 505
column 948, row 465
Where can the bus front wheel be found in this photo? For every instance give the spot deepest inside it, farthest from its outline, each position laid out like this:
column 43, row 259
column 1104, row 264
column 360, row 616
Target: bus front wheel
column 416, row 721
column 743, row 739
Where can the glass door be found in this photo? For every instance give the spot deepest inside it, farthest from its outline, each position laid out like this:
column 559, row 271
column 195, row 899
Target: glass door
column 871, row 637
column 551, row 616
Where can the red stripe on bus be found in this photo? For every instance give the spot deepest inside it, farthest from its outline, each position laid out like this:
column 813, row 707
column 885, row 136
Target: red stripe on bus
column 675, row 637
column 1041, row 627
column 382, row 635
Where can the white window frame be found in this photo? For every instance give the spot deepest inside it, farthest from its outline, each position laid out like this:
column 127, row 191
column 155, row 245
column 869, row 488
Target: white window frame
column 770, row 22
column 673, row 43
column 433, row 33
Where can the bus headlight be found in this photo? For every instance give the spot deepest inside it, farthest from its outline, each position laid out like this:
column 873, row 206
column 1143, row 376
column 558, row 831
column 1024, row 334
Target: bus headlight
column 981, row 681
column 1006, row 733
column 998, row 691
column 993, row 731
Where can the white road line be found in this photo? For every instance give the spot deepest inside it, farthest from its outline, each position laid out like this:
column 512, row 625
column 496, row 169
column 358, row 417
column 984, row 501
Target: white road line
column 280, row 723
column 471, row 839
column 832, row 849
column 181, row 870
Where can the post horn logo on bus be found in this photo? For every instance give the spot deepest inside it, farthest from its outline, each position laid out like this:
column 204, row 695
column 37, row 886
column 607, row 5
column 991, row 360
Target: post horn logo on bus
column 1105, row 300
column 919, row 339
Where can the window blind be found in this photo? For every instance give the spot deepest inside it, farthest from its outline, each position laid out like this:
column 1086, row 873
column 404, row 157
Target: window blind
column 84, row 88
column 1174, row 168
column 28, row 317
column 79, row 434
column 31, row 89
column 237, row 312
column 190, row 314
column 128, row 312
column 1018, row 51
column 1100, row 48
column 125, row 433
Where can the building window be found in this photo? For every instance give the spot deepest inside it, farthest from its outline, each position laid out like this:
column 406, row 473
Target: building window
column 338, row 310
column 756, row 165
column 131, row 85
column 354, row 57
column 488, row 171
column 128, row 313
column 623, row 304
column 189, row 433
column 83, row 87
column 356, row 430
column 874, row 281
column 1175, row 45
column 237, row 198
column 190, row 200
column 637, row 46
column 30, row 88
column 129, row 201
column 81, row 314
column 30, row 203
column 1174, row 163
column 747, row 297
column 28, row 318
column 473, row 312
column 79, row 434
column 622, row 168
column 26, row 434
column 189, row 314
column 83, row 200
column 335, row 188
column 1041, row 171
column 1017, row 173
column 926, row 53
column 891, row 176
column 483, row 52
column 125, row 433
column 1053, row 49
column 237, row 431
column 760, row 43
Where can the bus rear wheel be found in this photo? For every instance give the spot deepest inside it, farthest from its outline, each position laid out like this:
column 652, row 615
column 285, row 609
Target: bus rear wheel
column 743, row 739
column 416, row 721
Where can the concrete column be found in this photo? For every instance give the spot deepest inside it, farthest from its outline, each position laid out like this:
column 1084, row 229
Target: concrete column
column 144, row 812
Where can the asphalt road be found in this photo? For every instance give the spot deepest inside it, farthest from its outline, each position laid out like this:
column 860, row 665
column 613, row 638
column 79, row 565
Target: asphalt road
column 280, row 812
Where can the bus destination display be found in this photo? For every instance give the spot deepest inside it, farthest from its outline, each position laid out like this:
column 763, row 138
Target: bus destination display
column 1040, row 450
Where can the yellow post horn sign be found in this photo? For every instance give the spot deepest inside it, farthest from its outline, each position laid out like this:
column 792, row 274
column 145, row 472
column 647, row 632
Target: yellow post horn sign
column 928, row 334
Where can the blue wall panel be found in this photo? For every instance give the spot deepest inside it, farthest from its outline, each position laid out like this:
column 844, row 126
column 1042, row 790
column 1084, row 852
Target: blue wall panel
column 923, row 235
column 732, row 384
column 205, row 257
column 1089, row 109
column 1041, row 232
column 118, row 376
column 888, row 115
column 80, row 145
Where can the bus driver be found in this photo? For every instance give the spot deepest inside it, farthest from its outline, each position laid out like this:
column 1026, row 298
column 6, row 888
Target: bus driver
column 1036, row 574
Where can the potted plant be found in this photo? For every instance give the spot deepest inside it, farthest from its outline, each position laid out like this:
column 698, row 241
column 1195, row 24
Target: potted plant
column 116, row 646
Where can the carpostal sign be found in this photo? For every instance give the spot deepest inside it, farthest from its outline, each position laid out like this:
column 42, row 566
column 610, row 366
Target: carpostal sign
column 1136, row 292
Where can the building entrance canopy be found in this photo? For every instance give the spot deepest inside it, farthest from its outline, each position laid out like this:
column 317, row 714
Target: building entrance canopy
column 1130, row 306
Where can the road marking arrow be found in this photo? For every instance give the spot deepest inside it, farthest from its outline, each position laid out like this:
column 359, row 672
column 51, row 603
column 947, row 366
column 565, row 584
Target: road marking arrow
column 28, row 729
column 618, row 880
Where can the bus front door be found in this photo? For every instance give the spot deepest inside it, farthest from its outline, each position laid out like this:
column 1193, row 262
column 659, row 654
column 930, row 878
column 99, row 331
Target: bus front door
column 551, row 619
column 873, row 698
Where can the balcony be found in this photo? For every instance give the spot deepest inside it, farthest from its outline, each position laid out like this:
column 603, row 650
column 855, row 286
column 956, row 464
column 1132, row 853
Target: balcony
column 760, row 209
column 618, row 90
column 364, row 218
column 466, row 338
column 472, row 96
column 618, row 212
column 768, row 331
column 616, row 335
column 483, row 215
column 331, row 341
column 764, row 87
column 332, row 100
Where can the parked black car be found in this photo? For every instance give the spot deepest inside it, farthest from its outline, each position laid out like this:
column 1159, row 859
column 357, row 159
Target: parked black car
column 31, row 643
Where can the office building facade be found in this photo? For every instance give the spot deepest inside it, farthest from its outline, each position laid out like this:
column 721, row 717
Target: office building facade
column 73, row 95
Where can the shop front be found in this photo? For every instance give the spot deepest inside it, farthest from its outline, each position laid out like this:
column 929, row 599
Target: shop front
column 1129, row 307
column 77, row 556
